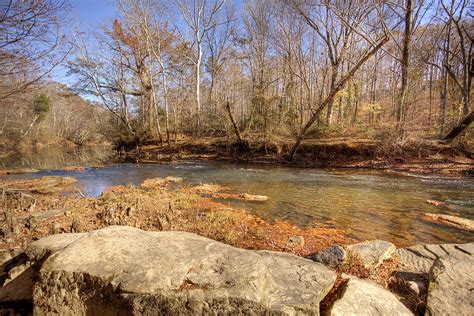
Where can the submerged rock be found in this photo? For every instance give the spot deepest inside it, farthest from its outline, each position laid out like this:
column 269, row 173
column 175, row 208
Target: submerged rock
column 451, row 287
column 372, row 253
column 333, row 256
column 74, row 168
column 436, row 203
column 363, row 297
column 51, row 184
column 124, row 270
column 159, row 182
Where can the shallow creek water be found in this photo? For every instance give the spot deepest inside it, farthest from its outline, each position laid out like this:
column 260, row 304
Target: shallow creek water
column 365, row 204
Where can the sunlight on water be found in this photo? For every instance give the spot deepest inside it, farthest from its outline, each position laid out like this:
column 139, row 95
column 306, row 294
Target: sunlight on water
column 366, row 204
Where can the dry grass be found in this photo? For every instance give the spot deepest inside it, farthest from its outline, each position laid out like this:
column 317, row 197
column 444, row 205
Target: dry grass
column 160, row 208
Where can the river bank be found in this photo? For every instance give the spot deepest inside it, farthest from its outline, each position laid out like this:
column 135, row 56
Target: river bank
column 38, row 207
column 417, row 156
column 354, row 200
column 53, row 206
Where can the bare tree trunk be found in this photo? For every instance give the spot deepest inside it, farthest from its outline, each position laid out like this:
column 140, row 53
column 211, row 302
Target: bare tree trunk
column 329, row 114
column 444, row 91
column 331, row 95
column 458, row 129
column 431, row 96
column 234, row 124
column 29, row 128
column 405, row 62
column 165, row 92
column 198, row 84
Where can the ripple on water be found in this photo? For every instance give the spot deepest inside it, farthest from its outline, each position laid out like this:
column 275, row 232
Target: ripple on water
column 367, row 205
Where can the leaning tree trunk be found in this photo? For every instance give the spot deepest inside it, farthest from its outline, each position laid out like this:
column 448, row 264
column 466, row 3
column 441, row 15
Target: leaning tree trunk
column 458, row 129
column 315, row 114
column 234, row 124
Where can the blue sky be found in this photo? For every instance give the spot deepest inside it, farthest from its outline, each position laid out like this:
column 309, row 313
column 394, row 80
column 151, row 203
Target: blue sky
column 92, row 12
column 89, row 15
column 85, row 16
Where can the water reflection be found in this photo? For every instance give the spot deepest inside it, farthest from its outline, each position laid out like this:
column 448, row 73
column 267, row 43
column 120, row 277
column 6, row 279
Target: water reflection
column 55, row 157
column 367, row 205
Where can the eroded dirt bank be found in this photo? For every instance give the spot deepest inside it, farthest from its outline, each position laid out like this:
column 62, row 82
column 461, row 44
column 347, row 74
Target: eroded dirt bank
column 427, row 157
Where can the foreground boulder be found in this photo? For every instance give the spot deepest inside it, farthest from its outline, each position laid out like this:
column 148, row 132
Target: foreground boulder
column 372, row 253
column 363, row 297
column 123, row 270
column 421, row 258
column 451, row 287
column 449, row 273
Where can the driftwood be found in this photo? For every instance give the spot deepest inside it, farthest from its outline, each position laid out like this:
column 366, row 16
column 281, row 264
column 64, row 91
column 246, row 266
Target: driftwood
column 455, row 221
column 244, row 197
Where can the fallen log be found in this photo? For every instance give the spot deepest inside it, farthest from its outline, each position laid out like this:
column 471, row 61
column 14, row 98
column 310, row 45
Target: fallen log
column 436, row 203
column 244, row 196
column 451, row 220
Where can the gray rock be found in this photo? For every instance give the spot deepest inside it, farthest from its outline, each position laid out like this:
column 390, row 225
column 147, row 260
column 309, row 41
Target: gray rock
column 362, row 297
column 372, row 253
column 420, row 258
column 124, row 270
column 332, row 256
column 451, row 287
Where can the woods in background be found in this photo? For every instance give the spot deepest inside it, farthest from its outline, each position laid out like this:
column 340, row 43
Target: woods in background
column 268, row 70
column 32, row 108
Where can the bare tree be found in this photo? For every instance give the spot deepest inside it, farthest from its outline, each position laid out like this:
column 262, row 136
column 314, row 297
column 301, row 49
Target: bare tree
column 359, row 29
column 200, row 16
column 31, row 44
column 461, row 51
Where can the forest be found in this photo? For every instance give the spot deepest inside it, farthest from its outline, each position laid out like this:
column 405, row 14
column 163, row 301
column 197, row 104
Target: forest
column 273, row 72
column 236, row 157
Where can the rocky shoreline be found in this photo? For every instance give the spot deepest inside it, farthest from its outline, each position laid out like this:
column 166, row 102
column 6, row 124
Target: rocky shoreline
column 121, row 270
column 160, row 249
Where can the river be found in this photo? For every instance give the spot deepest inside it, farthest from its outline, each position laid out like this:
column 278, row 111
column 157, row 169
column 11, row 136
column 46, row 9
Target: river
column 365, row 204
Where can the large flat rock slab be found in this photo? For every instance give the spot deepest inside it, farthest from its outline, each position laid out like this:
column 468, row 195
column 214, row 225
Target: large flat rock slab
column 420, row 258
column 451, row 287
column 363, row 297
column 123, row 270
